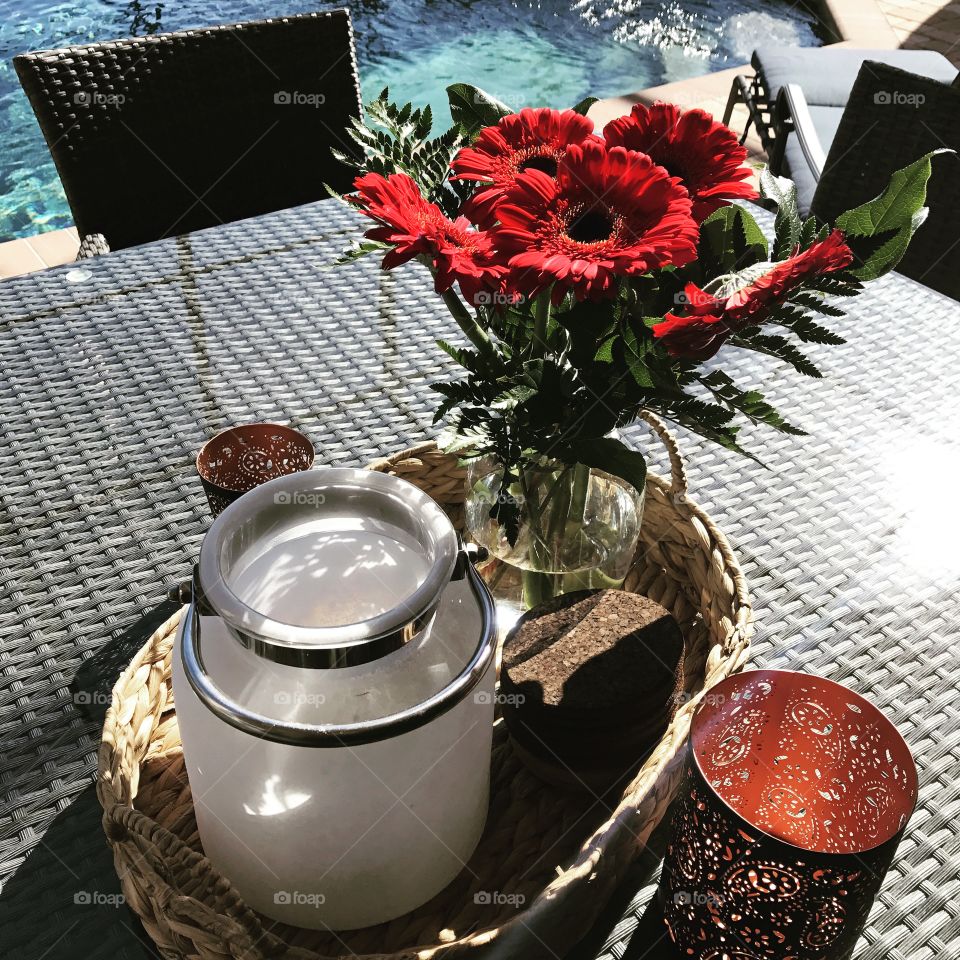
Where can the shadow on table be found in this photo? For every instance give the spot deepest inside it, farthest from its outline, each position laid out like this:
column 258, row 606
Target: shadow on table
column 650, row 940
column 94, row 680
column 64, row 900
column 634, row 896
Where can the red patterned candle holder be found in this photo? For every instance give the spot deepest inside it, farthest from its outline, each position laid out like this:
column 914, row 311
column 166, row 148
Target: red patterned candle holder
column 240, row 458
column 796, row 796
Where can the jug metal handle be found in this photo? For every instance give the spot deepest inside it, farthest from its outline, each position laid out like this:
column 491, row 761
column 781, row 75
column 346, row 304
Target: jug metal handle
column 222, row 705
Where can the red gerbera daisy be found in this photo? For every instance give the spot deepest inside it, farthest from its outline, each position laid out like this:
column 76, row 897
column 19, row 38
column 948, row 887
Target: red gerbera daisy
column 530, row 139
column 608, row 213
column 414, row 226
column 705, row 154
column 701, row 333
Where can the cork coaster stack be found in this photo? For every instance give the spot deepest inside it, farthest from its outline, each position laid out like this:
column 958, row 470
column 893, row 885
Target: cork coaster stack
column 589, row 682
column 549, row 857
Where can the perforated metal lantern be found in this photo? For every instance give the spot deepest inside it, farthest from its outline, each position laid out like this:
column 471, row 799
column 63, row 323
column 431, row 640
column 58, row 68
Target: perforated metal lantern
column 240, row 458
column 796, row 795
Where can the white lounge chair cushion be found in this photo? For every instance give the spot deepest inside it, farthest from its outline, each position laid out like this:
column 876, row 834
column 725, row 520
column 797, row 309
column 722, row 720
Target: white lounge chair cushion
column 827, row 75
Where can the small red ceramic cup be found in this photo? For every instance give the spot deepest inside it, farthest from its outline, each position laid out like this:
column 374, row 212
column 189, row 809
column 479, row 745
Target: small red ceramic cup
column 240, row 458
column 796, row 796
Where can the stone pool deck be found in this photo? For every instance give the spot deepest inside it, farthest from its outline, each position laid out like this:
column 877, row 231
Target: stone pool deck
column 882, row 24
column 42, row 250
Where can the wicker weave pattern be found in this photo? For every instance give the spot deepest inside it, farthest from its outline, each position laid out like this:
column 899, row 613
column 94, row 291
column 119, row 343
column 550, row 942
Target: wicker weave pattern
column 114, row 371
column 891, row 119
column 159, row 135
column 563, row 854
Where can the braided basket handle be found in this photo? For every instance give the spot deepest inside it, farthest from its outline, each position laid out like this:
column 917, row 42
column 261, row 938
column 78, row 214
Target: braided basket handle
column 678, row 472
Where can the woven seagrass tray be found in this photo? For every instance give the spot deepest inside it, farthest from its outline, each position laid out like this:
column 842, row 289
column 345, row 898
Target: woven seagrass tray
column 552, row 857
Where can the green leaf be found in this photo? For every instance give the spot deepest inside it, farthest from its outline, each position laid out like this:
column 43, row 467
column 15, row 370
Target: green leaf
column 506, row 512
column 866, row 248
column 733, row 238
column 788, row 226
column 904, row 195
column 584, row 105
column 612, row 456
column 425, row 125
column 362, row 249
column 805, row 327
column 878, row 259
column 748, row 402
column 710, row 420
column 634, row 353
column 515, row 396
column 898, row 211
column 472, row 109
column 588, row 323
column 466, row 358
column 694, row 410
column 835, row 285
column 781, row 348
column 815, row 301
column 604, row 352
column 809, row 232
column 393, row 140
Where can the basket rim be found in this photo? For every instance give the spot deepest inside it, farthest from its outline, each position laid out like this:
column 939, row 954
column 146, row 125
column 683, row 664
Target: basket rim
column 120, row 814
column 668, row 487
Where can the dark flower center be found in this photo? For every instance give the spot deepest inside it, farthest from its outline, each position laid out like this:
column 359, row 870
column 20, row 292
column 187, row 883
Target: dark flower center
column 547, row 164
column 673, row 164
column 676, row 170
column 590, row 227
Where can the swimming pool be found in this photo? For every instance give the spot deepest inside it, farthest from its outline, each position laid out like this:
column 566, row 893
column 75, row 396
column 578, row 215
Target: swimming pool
column 541, row 52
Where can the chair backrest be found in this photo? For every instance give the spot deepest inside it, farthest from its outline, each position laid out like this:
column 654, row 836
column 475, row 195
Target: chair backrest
column 891, row 119
column 160, row 135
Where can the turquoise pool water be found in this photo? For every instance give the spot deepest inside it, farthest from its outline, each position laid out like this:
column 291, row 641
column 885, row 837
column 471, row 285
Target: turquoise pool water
column 525, row 52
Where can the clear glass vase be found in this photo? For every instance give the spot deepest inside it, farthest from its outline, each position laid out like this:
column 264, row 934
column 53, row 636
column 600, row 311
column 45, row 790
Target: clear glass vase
column 578, row 530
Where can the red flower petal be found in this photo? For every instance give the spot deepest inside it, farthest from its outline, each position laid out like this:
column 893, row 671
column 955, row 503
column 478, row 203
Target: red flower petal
column 700, row 333
column 705, row 155
column 530, row 139
column 773, row 288
column 608, row 213
column 413, row 226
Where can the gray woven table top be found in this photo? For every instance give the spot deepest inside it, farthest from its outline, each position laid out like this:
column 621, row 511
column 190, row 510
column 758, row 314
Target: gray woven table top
column 113, row 373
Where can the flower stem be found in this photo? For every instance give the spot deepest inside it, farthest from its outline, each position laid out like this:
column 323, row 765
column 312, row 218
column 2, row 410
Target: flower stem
column 541, row 318
column 581, row 483
column 560, row 511
column 538, row 584
column 578, row 500
column 467, row 321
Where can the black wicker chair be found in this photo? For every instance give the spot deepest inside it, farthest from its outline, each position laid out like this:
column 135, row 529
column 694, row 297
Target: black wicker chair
column 160, row 135
column 893, row 118
column 805, row 89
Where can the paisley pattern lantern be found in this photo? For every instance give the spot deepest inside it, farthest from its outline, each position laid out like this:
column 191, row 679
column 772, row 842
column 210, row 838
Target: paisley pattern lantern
column 796, row 795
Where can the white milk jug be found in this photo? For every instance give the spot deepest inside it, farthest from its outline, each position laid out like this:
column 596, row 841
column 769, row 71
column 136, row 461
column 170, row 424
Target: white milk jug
column 334, row 686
